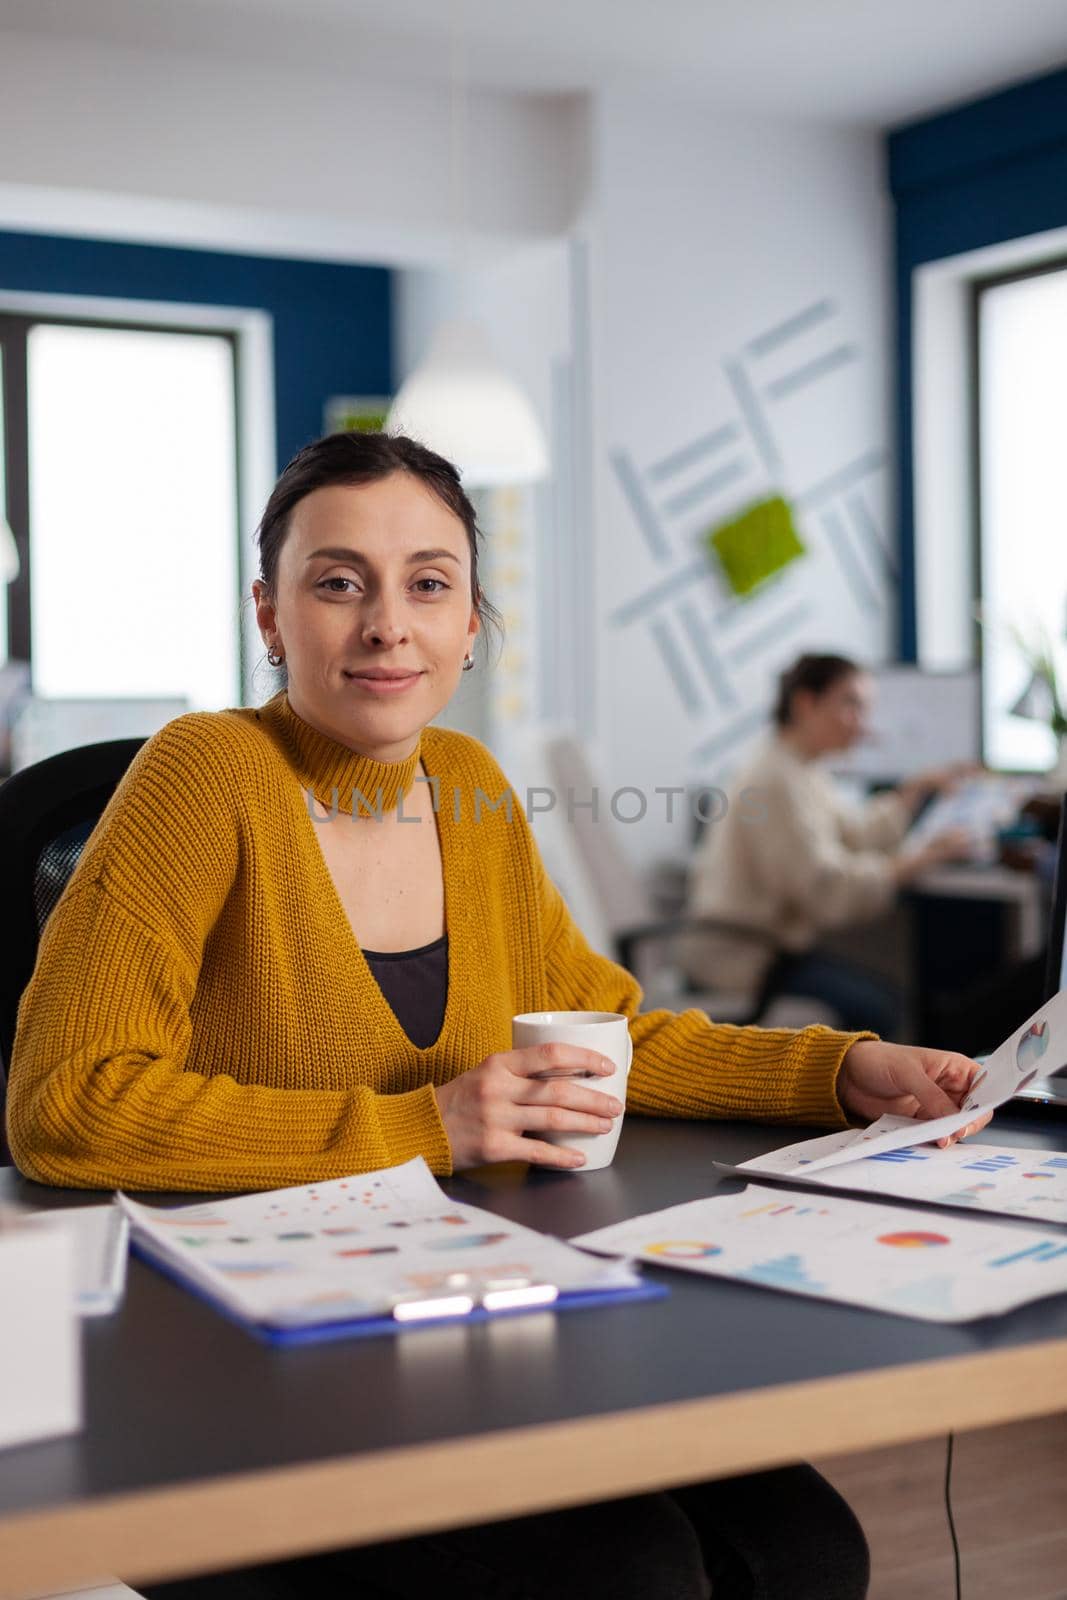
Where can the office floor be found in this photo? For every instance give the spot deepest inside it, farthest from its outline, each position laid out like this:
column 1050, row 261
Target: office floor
column 1009, row 1496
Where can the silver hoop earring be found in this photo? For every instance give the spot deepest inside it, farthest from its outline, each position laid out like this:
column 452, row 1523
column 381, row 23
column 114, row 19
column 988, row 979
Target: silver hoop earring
column 468, row 662
column 274, row 658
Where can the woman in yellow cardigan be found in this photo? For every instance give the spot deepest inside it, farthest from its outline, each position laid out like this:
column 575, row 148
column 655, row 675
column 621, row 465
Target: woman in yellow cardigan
column 293, row 946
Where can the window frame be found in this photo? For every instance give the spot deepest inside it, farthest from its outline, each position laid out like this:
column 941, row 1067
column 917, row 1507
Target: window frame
column 978, row 286
column 15, row 328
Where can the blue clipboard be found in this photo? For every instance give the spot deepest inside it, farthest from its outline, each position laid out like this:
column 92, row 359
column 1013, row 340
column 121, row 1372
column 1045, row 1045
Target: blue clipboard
column 376, row 1326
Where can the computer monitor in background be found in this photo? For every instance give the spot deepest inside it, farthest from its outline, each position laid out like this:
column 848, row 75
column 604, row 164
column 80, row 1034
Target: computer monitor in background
column 1052, row 1091
column 920, row 720
column 1056, row 971
column 43, row 727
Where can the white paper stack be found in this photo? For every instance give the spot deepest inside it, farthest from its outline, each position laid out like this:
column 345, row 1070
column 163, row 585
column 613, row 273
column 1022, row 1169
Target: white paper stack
column 101, row 1244
column 40, row 1331
column 388, row 1245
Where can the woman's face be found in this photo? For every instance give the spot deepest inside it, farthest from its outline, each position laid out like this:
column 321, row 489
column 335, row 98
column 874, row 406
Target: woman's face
column 839, row 717
column 373, row 611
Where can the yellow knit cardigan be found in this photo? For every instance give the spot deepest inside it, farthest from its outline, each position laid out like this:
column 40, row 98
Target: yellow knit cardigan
column 201, row 1015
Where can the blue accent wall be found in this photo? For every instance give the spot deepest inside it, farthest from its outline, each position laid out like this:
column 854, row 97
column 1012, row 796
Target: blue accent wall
column 332, row 322
column 991, row 170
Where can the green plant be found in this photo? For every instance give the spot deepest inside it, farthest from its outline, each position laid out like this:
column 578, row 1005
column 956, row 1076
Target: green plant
column 1044, row 697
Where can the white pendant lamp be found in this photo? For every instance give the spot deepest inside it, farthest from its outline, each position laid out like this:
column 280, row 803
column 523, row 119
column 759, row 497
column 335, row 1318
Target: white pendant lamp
column 460, row 402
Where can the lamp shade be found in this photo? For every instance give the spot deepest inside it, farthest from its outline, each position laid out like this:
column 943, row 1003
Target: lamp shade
column 461, row 403
column 9, row 555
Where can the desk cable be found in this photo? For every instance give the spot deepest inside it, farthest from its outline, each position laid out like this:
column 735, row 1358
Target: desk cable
column 951, row 1519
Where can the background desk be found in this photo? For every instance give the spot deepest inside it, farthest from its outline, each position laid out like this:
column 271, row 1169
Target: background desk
column 964, row 946
column 978, row 942
column 204, row 1448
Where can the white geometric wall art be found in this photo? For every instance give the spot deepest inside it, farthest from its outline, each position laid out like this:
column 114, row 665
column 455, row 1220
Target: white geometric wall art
column 783, row 435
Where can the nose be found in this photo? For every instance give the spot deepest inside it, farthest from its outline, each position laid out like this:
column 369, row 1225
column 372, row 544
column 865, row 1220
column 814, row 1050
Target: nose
column 384, row 624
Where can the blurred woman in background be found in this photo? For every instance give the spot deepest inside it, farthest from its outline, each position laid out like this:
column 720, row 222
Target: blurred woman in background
column 791, row 859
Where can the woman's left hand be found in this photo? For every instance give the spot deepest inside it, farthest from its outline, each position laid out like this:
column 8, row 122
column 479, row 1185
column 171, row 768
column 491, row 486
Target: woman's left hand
column 904, row 1080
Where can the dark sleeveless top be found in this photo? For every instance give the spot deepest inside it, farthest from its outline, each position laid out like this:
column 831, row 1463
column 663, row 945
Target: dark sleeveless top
column 415, row 983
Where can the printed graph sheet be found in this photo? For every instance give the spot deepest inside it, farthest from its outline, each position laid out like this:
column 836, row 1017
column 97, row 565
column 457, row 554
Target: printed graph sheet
column 353, row 1248
column 1039, row 1046
column 976, row 1177
column 911, row 1263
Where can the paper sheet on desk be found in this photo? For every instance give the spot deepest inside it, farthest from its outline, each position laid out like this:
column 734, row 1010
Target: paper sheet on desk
column 883, row 1257
column 1000, row 1179
column 352, row 1248
column 1039, row 1046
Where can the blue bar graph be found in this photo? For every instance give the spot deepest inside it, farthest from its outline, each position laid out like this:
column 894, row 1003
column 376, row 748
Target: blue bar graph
column 783, row 1272
column 991, row 1164
column 1047, row 1250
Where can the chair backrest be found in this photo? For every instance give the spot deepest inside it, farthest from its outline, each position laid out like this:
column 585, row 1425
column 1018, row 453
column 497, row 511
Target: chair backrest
column 624, row 900
column 47, row 811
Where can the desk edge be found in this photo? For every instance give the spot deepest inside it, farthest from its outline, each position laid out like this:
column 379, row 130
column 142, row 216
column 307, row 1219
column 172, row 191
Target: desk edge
column 239, row 1519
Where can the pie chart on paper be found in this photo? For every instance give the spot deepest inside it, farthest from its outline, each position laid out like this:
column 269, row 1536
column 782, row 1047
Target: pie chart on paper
column 913, row 1240
column 683, row 1249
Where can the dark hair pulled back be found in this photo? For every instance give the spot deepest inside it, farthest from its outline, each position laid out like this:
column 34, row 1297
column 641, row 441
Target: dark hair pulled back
column 811, row 672
column 357, row 458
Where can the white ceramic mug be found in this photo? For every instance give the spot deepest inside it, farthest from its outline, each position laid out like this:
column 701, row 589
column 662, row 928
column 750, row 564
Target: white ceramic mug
column 607, row 1032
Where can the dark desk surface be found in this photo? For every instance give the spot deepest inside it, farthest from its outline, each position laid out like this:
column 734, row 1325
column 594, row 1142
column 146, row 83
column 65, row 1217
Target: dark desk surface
column 202, row 1445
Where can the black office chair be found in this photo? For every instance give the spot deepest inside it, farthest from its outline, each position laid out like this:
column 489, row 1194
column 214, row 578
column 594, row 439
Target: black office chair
column 47, row 811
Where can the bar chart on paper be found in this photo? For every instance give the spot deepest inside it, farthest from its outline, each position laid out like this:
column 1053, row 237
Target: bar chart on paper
column 884, row 1257
column 997, row 1179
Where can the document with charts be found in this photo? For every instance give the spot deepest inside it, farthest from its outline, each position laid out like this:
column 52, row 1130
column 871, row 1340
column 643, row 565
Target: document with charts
column 912, row 1263
column 368, row 1252
column 1039, row 1046
column 1000, row 1179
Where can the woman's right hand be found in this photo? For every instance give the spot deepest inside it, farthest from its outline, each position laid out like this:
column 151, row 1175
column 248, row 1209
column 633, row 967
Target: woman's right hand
column 488, row 1111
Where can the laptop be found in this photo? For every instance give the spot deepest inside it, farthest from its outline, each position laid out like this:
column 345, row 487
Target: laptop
column 1052, row 1091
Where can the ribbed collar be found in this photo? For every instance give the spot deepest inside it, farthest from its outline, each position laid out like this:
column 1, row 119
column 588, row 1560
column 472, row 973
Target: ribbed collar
column 332, row 771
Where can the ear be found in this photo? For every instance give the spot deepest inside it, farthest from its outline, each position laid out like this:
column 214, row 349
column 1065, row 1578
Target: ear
column 803, row 702
column 474, row 625
column 265, row 611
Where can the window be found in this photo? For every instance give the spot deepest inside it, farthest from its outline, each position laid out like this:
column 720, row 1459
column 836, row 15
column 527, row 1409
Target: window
column 122, row 487
column 1021, row 335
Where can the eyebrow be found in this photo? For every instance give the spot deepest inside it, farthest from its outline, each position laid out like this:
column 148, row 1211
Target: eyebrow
column 339, row 553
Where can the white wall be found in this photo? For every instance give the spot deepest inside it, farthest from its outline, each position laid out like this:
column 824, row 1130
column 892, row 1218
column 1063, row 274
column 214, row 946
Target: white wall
column 701, row 234
column 627, row 252
column 256, row 156
column 708, row 233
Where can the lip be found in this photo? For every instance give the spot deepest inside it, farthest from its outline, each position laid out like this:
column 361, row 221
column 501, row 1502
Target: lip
column 378, row 681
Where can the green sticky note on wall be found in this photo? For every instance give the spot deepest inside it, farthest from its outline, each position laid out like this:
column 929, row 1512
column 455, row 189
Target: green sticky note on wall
column 755, row 545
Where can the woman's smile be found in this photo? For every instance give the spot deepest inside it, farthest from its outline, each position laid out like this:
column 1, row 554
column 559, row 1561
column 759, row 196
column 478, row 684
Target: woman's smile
column 384, row 680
